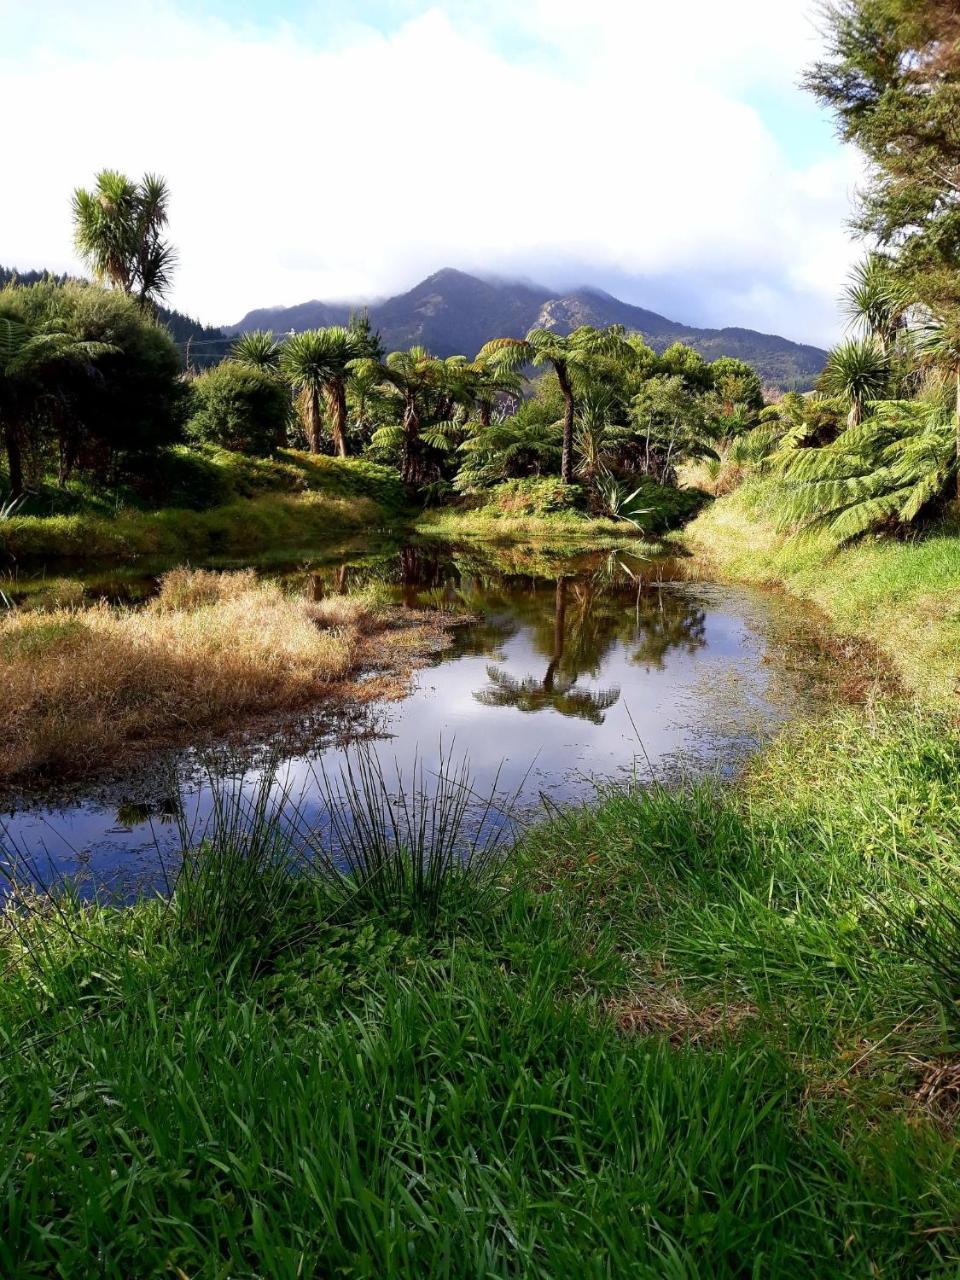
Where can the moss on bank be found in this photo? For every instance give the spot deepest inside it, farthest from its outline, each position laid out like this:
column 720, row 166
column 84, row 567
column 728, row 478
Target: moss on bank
column 904, row 596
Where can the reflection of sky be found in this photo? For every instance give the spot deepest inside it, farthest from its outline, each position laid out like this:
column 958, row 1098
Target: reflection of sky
column 701, row 707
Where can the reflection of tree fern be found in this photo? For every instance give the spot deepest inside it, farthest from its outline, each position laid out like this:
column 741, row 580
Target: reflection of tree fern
column 886, row 469
column 554, row 693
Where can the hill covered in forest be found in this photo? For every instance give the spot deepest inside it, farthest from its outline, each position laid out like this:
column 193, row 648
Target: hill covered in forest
column 453, row 313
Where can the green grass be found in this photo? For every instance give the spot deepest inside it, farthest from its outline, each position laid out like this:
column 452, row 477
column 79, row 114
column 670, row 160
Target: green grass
column 546, row 512
column 219, row 503
column 900, row 595
column 677, row 1035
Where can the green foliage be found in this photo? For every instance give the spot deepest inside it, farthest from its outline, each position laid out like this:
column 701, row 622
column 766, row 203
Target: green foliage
column 891, row 77
column 317, row 363
column 527, row 442
column 889, row 468
column 96, row 384
column 257, row 349
column 118, row 231
column 241, row 407
column 536, row 496
column 856, row 371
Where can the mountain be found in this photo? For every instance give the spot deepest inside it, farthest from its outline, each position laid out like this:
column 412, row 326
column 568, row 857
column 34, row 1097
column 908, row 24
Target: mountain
column 453, row 313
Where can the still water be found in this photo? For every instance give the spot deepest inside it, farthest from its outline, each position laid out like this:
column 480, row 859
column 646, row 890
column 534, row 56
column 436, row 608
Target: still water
column 575, row 673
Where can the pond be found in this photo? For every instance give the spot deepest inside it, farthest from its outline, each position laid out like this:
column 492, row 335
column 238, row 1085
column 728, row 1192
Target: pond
column 574, row 672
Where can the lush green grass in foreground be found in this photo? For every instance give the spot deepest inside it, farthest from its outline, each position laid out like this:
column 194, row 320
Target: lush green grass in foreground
column 677, row 1036
column 217, row 503
column 901, row 595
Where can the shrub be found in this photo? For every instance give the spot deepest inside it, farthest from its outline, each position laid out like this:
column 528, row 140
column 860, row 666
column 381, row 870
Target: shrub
column 105, row 418
column 240, row 408
column 536, row 496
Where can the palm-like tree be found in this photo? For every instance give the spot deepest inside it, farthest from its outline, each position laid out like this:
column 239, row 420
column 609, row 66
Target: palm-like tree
column 118, row 231
column 318, row 363
column 425, row 392
column 482, row 384
column 32, row 365
column 257, row 349
column 857, row 370
column 570, row 356
column 877, row 301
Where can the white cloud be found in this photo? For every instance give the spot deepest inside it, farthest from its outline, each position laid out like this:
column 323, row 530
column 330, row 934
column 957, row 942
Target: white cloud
column 515, row 138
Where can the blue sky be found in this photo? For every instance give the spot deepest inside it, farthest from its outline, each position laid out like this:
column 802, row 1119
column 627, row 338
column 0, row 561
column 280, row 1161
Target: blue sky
column 341, row 149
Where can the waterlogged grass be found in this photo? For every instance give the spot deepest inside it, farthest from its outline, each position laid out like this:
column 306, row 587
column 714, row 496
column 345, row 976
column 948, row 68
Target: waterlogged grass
column 86, row 685
column 678, row 1034
column 901, row 595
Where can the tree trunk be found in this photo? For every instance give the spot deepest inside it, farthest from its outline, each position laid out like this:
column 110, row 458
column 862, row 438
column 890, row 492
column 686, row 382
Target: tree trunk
column 855, row 416
column 485, row 410
column 410, row 466
column 311, row 417
column 14, row 460
column 337, row 403
column 559, row 634
column 566, row 458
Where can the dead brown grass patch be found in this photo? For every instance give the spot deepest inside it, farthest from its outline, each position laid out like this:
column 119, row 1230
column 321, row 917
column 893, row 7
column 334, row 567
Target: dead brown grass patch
column 86, row 686
column 936, row 1094
column 656, row 1010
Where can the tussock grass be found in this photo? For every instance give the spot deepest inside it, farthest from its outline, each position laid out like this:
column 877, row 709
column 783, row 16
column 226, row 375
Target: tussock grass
column 901, row 595
column 669, row 1036
column 81, row 685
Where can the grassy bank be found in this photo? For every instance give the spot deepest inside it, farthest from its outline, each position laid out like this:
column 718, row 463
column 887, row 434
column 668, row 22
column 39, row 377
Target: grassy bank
column 86, row 686
column 900, row 595
column 218, row 503
column 547, row 513
column 557, row 531
column 675, row 1035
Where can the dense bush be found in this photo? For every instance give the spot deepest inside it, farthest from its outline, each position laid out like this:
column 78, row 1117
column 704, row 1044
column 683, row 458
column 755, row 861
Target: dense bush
column 536, row 496
column 94, row 384
column 241, row 408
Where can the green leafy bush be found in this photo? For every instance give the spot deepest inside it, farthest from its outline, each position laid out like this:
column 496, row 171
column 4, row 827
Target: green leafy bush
column 536, row 496
column 241, row 408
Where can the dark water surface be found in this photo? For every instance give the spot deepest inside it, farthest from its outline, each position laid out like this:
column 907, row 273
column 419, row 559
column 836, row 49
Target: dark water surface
column 577, row 672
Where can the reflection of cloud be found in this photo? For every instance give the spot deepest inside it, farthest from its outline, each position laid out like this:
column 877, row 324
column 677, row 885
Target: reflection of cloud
column 682, row 162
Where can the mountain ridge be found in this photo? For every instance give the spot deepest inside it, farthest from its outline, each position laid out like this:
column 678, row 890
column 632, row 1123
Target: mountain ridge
column 453, row 313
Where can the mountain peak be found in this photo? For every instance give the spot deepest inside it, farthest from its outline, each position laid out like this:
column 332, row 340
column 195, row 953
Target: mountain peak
column 454, row 313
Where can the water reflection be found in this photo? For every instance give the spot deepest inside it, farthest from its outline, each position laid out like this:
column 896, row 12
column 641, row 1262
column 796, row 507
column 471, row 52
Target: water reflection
column 575, row 670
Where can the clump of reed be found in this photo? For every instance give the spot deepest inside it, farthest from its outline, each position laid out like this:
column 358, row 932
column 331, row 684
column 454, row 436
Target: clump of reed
column 84, row 684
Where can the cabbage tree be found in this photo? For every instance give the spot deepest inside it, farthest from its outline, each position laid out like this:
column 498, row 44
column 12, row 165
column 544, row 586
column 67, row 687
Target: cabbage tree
column 317, row 364
column 119, row 232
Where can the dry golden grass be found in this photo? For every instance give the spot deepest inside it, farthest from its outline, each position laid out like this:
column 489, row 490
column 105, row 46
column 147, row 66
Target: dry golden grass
column 341, row 611
column 82, row 686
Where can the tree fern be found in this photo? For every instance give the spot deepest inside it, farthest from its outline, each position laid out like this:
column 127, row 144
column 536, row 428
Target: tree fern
column 888, row 468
